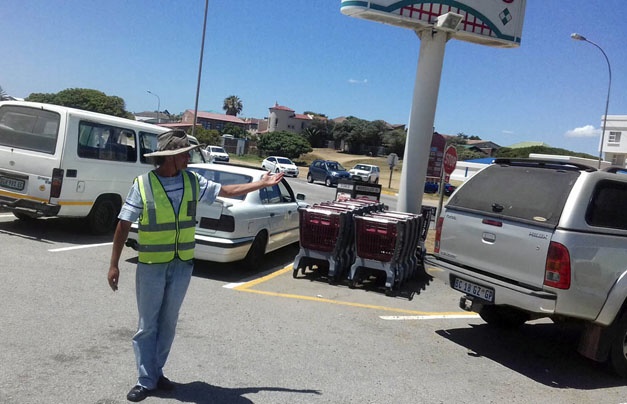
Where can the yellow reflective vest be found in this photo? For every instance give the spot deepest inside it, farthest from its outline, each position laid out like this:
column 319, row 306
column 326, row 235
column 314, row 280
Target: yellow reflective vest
column 162, row 234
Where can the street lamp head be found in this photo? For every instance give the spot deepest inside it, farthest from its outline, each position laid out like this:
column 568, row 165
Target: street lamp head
column 578, row 37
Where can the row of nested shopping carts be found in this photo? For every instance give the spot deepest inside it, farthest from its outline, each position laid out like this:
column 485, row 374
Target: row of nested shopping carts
column 356, row 239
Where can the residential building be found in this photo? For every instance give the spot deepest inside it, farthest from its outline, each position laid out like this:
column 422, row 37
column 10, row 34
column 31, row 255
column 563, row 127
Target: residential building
column 284, row 119
column 614, row 143
column 212, row 120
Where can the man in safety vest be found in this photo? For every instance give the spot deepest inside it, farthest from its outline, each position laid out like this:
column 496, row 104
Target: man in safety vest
column 164, row 201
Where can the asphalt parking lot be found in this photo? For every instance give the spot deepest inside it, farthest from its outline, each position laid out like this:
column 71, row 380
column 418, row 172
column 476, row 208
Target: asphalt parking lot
column 264, row 337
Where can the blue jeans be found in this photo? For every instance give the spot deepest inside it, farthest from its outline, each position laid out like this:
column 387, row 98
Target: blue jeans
column 160, row 290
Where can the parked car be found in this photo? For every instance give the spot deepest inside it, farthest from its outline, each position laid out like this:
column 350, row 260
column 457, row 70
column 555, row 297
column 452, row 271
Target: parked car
column 365, row 173
column 327, row 171
column 524, row 239
column 276, row 164
column 217, row 154
column 432, row 188
column 246, row 227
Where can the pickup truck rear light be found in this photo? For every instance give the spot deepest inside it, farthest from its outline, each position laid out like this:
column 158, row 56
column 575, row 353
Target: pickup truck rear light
column 438, row 233
column 557, row 269
column 57, row 182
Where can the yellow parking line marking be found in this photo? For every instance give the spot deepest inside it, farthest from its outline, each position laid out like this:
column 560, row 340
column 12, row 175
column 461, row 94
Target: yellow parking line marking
column 246, row 287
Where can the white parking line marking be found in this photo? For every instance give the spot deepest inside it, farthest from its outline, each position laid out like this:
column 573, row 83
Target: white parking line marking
column 433, row 317
column 233, row 285
column 78, row 247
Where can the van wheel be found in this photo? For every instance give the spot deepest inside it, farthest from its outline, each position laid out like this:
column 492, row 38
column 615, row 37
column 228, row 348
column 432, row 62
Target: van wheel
column 102, row 217
column 618, row 349
column 328, row 182
column 23, row 216
column 309, row 178
column 503, row 316
column 257, row 251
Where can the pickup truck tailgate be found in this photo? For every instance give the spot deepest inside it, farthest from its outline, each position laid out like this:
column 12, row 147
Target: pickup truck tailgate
column 495, row 247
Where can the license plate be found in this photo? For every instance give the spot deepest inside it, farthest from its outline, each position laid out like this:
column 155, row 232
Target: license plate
column 473, row 289
column 12, row 183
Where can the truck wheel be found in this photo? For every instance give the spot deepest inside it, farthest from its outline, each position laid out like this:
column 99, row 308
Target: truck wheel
column 102, row 217
column 618, row 350
column 503, row 316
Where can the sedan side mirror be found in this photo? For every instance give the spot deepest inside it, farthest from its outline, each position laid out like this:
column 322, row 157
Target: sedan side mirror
column 300, row 197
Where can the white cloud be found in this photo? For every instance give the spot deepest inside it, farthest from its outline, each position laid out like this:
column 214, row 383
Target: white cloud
column 355, row 81
column 584, row 131
column 507, row 132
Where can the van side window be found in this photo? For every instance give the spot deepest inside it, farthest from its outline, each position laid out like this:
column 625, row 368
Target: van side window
column 607, row 206
column 104, row 142
column 29, row 128
column 147, row 144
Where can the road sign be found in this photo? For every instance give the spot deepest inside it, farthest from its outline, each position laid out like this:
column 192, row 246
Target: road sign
column 450, row 159
column 392, row 160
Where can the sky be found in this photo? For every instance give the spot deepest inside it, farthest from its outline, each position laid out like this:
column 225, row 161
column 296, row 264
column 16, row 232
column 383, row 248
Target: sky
column 308, row 56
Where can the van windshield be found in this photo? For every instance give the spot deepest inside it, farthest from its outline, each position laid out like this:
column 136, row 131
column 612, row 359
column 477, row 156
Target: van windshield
column 29, row 128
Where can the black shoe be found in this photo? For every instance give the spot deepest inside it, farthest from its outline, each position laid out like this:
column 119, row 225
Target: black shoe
column 137, row 393
column 165, row 384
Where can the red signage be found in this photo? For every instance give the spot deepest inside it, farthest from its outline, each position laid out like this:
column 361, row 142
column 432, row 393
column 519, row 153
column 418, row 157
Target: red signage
column 436, row 154
column 450, row 160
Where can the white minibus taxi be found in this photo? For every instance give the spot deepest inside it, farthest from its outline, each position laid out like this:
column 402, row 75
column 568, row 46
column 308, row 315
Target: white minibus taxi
column 65, row 162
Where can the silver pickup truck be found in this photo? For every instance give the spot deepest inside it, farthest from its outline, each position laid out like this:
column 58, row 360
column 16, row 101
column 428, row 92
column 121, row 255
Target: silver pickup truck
column 525, row 239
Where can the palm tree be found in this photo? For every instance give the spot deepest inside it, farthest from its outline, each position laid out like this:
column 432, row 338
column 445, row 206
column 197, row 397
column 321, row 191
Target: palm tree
column 232, row 105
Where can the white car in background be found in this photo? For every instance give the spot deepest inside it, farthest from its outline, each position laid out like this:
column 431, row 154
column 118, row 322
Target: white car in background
column 365, row 172
column 246, row 227
column 216, row 154
column 276, row 164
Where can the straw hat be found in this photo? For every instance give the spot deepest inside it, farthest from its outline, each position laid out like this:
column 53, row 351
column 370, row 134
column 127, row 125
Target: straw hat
column 171, row 143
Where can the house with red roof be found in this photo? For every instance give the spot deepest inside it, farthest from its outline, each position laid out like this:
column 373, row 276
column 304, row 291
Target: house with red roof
column 283, row 118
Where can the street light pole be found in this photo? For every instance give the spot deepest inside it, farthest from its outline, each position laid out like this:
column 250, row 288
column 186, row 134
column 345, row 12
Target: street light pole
column 158, row 105
column 202, row 51
column 578, row 37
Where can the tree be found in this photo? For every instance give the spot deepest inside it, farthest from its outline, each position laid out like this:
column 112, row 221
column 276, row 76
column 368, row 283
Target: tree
column 282, row 143
column 206, row 136
column 232, row 105
column 86, row 99
column 523, row 152
column 235, row 130
column 319, row 132
column 3, row 95
column 395, row 140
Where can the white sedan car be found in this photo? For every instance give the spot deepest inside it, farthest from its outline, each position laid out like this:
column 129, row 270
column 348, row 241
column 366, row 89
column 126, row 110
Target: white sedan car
column 276, row 164
column 245, row 227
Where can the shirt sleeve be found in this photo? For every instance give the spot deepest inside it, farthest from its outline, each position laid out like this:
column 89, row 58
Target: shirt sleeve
column 133, row 206
column 209, row 190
